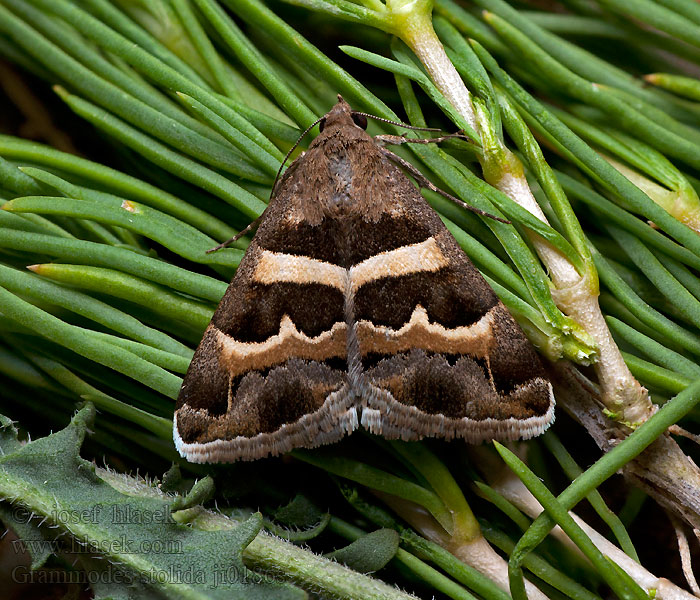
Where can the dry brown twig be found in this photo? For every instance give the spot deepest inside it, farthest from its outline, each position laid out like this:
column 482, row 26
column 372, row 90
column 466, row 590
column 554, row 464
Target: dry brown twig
column 663, row 470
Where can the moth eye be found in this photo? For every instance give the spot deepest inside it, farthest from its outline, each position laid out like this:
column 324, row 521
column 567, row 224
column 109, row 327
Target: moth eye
column 322, row 124
column 360, row 120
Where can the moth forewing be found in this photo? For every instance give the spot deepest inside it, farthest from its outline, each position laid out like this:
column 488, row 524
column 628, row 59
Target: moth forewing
column 355, row 306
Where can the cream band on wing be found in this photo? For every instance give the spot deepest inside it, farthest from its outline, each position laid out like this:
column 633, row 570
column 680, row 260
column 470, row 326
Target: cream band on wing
column 275, row 267
column 475, row 339
column 414, row 258
column 241, row 357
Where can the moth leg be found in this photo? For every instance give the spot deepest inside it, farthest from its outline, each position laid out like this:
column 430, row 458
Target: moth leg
column 423, row 181
column 383, row 140
column 238, row 236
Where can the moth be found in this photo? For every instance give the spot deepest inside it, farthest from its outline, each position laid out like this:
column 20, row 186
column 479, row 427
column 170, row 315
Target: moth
column 354, row 306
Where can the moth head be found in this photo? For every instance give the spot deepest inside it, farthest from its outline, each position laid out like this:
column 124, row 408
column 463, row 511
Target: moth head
column 358, row 118
column 341, row 115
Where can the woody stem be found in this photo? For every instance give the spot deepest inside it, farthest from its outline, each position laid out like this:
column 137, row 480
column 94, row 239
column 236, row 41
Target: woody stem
column 421, row 38
column 575, row 294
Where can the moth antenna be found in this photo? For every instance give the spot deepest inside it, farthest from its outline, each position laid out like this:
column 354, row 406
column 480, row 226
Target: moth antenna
column 397, row 123
column 238, row 236
column 293, row 148
column 241, row 233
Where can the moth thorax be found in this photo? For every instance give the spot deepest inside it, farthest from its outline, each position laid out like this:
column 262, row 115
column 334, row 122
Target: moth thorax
column 341, row 172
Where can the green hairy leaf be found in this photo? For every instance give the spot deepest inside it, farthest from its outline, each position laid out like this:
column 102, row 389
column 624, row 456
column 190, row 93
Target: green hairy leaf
column 48, row 478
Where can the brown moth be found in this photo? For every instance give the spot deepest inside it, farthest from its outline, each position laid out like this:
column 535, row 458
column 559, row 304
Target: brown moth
column 355, row 306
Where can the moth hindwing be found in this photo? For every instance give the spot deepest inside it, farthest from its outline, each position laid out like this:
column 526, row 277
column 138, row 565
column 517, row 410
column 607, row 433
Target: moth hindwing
column 354, row 306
